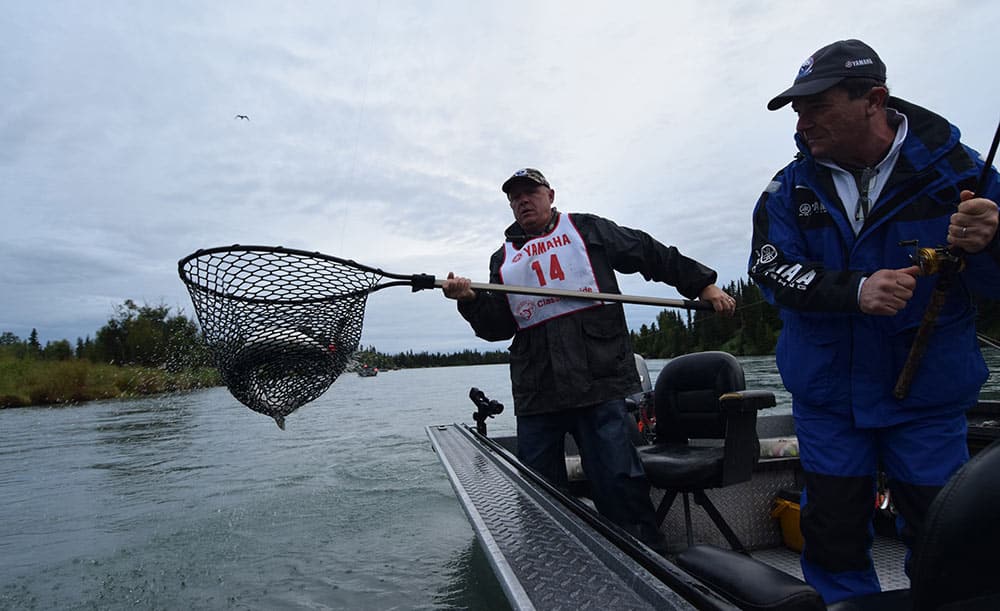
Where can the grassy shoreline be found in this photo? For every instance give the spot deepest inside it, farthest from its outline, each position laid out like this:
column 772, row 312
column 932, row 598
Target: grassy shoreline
column 25, row 382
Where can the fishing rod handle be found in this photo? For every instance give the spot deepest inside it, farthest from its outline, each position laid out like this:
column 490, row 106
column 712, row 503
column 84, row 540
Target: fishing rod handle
column 919, row 346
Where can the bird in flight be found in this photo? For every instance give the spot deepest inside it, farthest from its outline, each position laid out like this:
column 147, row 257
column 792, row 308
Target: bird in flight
column 242, row 117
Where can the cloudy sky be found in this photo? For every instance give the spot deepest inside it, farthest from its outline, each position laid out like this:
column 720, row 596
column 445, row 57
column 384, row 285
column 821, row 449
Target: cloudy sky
column 381, row 131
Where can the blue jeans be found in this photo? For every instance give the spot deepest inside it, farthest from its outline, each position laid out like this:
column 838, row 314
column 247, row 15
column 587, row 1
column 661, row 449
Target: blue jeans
column 618, row 484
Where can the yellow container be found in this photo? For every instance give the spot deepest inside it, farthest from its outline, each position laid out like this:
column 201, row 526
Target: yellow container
column 787, row 513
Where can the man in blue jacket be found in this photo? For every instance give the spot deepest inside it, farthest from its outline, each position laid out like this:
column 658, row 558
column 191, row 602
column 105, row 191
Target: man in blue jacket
column 571, row 363
column 872, row 171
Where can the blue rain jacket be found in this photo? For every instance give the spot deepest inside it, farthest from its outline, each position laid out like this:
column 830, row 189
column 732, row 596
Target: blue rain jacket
column 808, row 261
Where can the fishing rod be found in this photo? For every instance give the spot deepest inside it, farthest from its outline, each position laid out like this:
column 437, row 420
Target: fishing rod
column 992, row 343
column 948, row 263
column 282, row 324
column 984, row 175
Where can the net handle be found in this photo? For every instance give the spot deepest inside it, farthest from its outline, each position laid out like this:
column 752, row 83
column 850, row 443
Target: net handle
column 686, row 304
column 425, row 281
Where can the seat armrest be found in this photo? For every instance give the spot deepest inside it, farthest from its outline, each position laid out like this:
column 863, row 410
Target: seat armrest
column 748, row 583
column 747, row 400
column 742, row 450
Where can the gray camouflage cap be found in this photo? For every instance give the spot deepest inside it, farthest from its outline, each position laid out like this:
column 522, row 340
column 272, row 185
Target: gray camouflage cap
column 525, row 174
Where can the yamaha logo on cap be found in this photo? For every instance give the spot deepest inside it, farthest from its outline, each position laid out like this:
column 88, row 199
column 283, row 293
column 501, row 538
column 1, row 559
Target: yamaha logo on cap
column 854, row 63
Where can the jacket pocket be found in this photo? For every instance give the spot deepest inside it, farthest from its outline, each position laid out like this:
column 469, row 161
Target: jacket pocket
column 524, row 370
column 951, row 371
column 812, row 361
column 606, row 347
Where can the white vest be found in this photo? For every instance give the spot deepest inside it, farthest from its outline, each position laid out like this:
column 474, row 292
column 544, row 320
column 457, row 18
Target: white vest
column 557, row 260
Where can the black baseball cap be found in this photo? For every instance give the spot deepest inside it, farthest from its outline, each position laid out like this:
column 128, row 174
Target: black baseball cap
column 525, row 175
column 831, row 65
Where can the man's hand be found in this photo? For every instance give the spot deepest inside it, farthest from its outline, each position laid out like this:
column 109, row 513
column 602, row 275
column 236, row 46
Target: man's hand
column 458, row 288
column 972, row 228
column 721, row 301
column 887, row 291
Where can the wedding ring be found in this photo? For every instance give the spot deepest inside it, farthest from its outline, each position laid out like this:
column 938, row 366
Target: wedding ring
column 964, row 231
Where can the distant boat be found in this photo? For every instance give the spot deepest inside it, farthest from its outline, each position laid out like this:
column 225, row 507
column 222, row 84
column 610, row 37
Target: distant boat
column 368, row 372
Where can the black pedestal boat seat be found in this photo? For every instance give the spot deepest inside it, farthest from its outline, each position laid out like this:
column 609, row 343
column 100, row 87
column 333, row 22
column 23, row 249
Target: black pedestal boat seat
column 703, row 396
column 954, row 564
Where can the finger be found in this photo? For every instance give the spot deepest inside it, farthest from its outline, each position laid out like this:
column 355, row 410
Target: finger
column 966, row 195
column 901, row 298
column 904, row 284
column 887, row 305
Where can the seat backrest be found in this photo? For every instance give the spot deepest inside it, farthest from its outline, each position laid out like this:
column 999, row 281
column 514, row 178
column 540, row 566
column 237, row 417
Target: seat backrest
column 687, row 395
column 955, row 557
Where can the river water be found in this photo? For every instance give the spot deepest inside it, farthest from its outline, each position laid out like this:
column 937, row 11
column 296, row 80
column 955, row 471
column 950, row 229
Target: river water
column 192, row 501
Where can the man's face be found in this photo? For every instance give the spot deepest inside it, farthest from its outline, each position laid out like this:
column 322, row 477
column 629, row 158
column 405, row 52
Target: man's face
column 832, row 125
column 532, row 205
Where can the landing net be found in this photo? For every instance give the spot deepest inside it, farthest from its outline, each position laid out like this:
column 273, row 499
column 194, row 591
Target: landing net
column 282, row 325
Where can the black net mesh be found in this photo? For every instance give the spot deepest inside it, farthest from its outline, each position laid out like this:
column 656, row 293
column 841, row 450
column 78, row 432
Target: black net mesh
column 282, row 325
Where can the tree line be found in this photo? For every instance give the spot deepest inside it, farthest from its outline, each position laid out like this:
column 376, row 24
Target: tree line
column 147, row 336
column 371, row 357
column 141, row 350
column 752, row 331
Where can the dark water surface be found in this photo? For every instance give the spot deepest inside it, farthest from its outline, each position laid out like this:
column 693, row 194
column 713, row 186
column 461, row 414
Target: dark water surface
column 193, row 501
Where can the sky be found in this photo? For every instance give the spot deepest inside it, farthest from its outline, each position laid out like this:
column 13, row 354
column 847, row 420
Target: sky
column 381, row 131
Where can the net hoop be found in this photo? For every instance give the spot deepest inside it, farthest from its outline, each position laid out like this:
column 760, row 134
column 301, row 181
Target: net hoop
column 282, row 324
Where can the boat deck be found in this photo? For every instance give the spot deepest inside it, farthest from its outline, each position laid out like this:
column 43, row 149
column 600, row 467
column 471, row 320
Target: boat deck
column 887, row 554
column 587, row 562
column 515, row 517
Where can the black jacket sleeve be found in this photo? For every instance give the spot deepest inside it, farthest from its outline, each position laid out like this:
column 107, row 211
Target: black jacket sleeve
column 634, row 251
column 489, row 314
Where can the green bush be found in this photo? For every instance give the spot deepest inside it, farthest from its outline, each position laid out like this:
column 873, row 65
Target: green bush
column 36, row 382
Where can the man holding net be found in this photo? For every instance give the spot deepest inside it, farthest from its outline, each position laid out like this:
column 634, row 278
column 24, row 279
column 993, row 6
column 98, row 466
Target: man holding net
column 571, row 360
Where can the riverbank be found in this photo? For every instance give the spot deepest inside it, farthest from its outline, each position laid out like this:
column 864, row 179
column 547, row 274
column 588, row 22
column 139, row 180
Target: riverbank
column 36, row 382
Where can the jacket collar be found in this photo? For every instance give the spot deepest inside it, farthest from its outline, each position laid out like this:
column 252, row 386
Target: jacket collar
column 516, row 234
column 930, row 136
